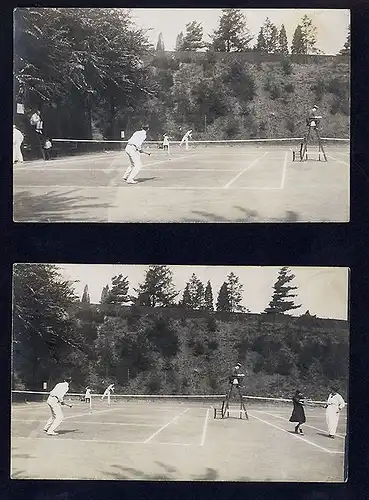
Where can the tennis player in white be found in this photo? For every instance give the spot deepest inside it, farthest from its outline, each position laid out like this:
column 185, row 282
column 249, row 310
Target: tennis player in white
column 17, row 142
column 55, row 400
column 335, row 404
column 107, row 392
column 166, row 143
column 133, row 150
column 188, row 135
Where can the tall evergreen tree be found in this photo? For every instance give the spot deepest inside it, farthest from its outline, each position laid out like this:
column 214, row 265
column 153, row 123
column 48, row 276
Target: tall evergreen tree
column 260, row 44
column 192, row 40
column 309, row 36
column 160, row 47
column 282, row 41
column 298, row 46
column 235, row 289
column 158, row 289
column 104, row 294
column 119, row 290
column 270, row 35
column 209, row 301
column 232, row 34
column 223, row 302
column 346, row 50
column 86, row 296
column 193, row 295
column 283, row 296
column 179, row 42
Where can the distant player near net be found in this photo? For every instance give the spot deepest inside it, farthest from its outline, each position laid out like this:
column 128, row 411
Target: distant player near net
column 108, row 392
column 185, row 138
column 88, row 395
column 134, row 150
column 55, row 401
column 166, row 143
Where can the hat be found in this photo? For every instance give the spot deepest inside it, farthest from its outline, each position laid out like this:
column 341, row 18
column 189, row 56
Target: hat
column 145, row 127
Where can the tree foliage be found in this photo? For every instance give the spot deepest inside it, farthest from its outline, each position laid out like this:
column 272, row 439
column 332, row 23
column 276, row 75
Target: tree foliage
column 208, row 298
column 270, row 36
column 160, row 47
column 309, row 36
column 179, row 41
column 234, row 289
column 346, row 49
column 158, row 289
column 43, row 333
column 298, row 46
column 86, row 296
column 232, row 34
column 282, row 41
column 193, row 38
column 283, row 296
column 193, row 294
column 118, row 293
column 223, row 300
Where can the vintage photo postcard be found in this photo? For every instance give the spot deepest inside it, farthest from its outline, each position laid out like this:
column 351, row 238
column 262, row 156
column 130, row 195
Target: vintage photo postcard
column 180, row 373
column 181, row 115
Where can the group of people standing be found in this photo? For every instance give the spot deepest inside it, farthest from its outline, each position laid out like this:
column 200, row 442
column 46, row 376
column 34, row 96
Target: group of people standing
column 334, row 405
column 43, row 142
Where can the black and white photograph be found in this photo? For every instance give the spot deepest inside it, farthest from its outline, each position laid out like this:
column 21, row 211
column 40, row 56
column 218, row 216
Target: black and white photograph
column 181, row 115
column 180, row 373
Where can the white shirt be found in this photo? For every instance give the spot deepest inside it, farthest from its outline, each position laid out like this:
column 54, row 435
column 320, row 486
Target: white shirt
column 17, row 136
column 336, row 400
column 60, row 390
column 187, row 134
column 111, row 387
column 88, row 393
column 35, row 118
column 138, row 138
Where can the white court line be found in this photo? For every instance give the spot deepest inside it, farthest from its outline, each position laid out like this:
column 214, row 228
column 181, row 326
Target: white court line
column 89, row 422
column 205, row 428
column 296, row 436
column 340, row 161
column 164, row 426
column 284, row 171
column 306, row 425
column 100, row 441
column 243, row 171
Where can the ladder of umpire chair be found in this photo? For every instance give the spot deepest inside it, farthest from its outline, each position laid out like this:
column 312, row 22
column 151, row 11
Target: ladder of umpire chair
column 225, row 404
column 304, row 145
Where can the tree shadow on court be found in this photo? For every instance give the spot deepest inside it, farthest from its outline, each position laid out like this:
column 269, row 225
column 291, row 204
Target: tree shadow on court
column 53, row 206
column 249, row 216
column 170, row 473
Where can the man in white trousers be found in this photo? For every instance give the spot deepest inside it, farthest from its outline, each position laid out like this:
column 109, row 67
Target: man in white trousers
column 335, row 404
column 17, row 143
column 133, row 150
column 55, row 401
column 188, row 135
column 107, row 392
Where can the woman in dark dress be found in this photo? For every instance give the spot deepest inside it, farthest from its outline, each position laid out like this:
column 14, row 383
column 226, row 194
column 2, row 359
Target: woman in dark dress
column 298, row 413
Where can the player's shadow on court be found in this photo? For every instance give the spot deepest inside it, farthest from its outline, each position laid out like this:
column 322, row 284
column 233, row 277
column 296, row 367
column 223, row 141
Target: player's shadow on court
column 142, row 180
column 324, row 434
column 67, row 431
column 170, row 473
column 249, row 216
column 52, row 206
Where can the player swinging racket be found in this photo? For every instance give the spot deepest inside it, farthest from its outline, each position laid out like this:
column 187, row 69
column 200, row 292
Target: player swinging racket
column 188, row 135
column 133, row 150
column 55, row 401
column 107, row 392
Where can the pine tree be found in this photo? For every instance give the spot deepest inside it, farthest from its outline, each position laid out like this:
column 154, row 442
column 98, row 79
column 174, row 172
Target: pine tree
column 235, row 289
column 346, row 50
column 297, row 46
column 270, row 35
column 193, row 37
column 119, row 290
column 223, row 303
column 179, row 42
column 160, row 45
column 209, row 301
column 308, row 33
column 282, row 41
column 158, row 289
column 260, row 44
column 193, row 294
column 283, row 296
column 86, row 296
column 104, row 294
column 232, row 34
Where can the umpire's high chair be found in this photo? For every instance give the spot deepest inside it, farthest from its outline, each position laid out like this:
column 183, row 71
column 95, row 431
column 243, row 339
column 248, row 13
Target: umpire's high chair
column 312, row 130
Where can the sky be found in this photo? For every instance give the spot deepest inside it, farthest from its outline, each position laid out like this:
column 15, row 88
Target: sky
column 332, row 24
column 322, row 290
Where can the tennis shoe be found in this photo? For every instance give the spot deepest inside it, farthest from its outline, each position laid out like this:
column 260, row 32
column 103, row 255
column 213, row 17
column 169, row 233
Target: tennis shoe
column 52, row 433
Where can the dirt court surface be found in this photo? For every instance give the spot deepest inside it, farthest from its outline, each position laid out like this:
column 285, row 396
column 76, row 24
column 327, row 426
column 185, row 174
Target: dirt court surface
column 174, row 441
column 204, row 184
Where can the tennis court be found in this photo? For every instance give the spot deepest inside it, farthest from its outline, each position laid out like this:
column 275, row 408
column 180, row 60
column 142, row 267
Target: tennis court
column 175, row 438
column 244, row 181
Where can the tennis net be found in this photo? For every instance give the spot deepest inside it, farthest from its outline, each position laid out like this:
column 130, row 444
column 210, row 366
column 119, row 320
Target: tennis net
column 79, row 147
column 20, row 398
